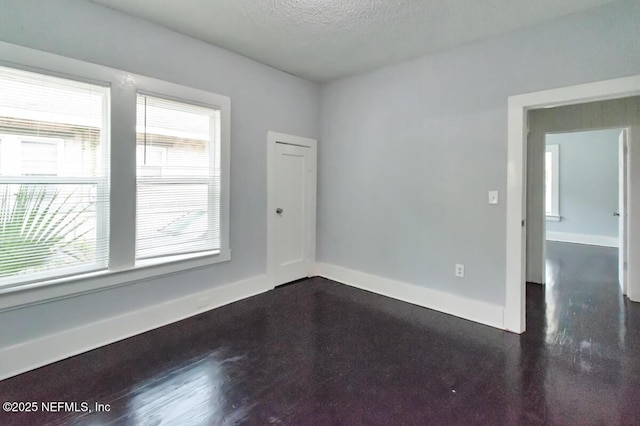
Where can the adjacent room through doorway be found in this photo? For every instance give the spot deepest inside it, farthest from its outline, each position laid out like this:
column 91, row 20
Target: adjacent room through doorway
column 577, row 231
column 584, row 187
column 578, row 165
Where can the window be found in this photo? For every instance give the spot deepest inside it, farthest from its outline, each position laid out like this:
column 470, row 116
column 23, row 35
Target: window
column 552, row 182
column 99, row 190
column 54, row 173
column 178, row 178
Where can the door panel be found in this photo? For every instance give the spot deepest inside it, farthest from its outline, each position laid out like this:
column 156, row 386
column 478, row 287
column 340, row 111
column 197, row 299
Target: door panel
column 292, row 215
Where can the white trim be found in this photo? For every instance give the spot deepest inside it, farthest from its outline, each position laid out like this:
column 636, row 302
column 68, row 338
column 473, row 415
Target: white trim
column 594, row 240
column 272, row 139
column 62, row 288
column 48, row 349
column 516, row 178
column 550, row 218
column 469, row 309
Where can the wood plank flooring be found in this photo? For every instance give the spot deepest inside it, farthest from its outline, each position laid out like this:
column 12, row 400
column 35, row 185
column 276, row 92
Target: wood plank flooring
column 320, row 353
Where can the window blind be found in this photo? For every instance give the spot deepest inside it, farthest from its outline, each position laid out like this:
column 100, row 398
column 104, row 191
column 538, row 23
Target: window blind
column 54, row 170
column 178, row 178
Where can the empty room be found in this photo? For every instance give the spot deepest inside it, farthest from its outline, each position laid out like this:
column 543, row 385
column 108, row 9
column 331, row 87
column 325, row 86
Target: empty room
column 319, row 212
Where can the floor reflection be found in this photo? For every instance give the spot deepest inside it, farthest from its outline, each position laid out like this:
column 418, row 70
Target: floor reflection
column 191, row 395
column 583, row 334
column 550, row 325
column 318, row 352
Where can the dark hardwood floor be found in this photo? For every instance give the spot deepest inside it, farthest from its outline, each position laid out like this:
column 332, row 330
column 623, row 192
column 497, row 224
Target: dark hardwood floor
column 321, row 353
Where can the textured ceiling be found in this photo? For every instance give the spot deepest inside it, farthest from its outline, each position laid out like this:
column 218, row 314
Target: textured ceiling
column 323, row 40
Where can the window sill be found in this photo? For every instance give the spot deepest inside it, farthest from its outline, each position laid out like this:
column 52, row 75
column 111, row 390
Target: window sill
column 554, row 218
column 61, row 288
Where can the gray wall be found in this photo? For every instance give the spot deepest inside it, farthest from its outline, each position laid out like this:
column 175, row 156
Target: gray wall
column 588, row 173
column 262, row 99
column 408, row 152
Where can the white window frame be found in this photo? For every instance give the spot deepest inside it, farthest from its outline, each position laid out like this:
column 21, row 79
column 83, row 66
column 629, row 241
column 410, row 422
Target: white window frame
column 214, row 139
column 122, row 269
column 554, row 215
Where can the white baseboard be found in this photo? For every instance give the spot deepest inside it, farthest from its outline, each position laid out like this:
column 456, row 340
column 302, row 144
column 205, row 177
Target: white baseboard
column 469, row 309
column 48, row 349
column 593, row 240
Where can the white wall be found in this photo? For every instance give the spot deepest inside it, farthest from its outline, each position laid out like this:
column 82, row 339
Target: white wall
column 262, row 99
column 408, row 153
column 588, row 178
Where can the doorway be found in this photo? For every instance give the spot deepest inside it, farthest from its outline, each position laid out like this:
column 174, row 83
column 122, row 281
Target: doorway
column 291, row 207
column 585, row 189
column 518, row 223
column 577, row 186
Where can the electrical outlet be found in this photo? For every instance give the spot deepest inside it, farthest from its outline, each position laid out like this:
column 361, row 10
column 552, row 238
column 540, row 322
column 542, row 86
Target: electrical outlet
column 459, row 270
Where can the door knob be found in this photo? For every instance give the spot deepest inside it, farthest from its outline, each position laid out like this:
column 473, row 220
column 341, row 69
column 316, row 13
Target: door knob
column 616, row 214
column 279, row 210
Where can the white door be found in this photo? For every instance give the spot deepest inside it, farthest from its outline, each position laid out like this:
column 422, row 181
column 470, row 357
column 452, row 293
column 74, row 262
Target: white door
column 622, row 211
column 292, row 203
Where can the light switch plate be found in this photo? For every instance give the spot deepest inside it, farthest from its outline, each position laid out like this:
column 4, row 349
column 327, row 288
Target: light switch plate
column 493, row 197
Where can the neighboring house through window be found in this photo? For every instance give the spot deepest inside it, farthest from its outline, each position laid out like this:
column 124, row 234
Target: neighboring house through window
column 178, row 179
column 41, row 156
column 53, row 175
column 30, row 156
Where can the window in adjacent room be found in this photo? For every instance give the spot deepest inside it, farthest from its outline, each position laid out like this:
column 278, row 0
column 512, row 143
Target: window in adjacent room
column 552, row 182
column 54, row 176
column 178, row 178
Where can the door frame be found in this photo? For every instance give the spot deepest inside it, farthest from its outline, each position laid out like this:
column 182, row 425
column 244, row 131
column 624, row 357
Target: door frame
column 273, row 138
column 623, row 208
column 518, row 105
